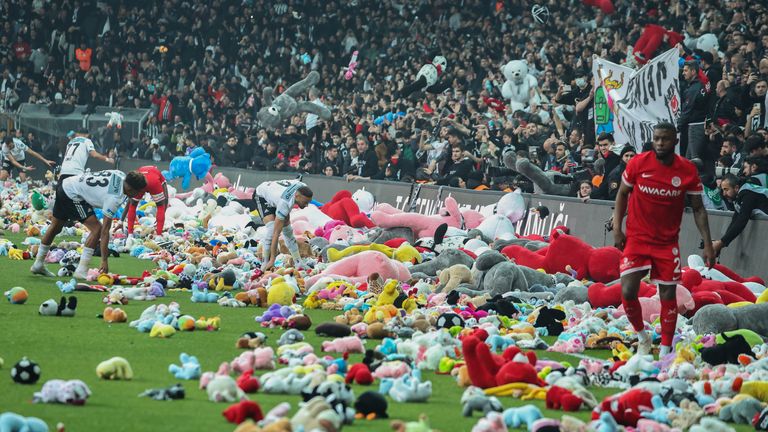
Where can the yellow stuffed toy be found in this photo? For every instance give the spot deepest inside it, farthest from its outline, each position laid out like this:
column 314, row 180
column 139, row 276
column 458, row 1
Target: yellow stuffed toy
column 16, row 254
column 160, row 330
column 280, row 292
column 388, row 294
column 313, row 302
column 404, row 253
column 524, row 391
column 756, row 389
column 382, row 313
column 116, row 368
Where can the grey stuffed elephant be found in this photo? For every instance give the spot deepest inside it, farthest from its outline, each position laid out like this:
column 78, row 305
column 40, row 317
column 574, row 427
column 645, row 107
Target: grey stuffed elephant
column 282, row 108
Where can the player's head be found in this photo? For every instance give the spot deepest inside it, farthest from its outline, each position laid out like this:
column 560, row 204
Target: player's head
column 8, row 141
column 729, row 186
column 664, row 139
column 134, row 183
column 303, row 196
column 82, row 132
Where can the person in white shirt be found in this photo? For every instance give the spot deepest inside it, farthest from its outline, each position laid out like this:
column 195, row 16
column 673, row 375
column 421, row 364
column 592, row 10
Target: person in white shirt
column 274, row 201
column 76, row 155
column 75, row 199
column 14, row 153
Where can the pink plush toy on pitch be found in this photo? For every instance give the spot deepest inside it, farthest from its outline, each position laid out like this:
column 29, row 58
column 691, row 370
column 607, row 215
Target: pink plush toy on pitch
column 652, row 305
column 356, row 268
column 423, row 226
column 349, row 344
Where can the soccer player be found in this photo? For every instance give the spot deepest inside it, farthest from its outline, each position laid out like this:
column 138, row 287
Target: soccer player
column 14, row 153
column 158, row 190
column 76, row 155
column 75, row 199
column 654, row 186
column 274, row 201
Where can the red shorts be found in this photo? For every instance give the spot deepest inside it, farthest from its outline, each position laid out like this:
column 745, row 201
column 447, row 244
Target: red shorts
column 662, row 260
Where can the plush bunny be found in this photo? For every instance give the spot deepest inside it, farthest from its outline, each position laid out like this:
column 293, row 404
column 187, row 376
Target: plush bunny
column 278, row 110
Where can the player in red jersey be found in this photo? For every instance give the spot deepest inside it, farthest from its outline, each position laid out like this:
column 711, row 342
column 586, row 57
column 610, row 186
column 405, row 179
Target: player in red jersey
column 158, row 190
column 654, row 187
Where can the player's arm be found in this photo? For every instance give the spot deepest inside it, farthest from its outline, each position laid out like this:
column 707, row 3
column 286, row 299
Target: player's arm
column 702, row 223
column 40, row 157
column 106, row 227
column 16, row 163
column 619, row 210
column 749, row 202
column 96, row 155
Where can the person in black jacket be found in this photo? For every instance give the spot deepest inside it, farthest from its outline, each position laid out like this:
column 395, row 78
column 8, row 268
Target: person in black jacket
column 614, row 177
column 693, row 113
column 609, row 161
column 747, row 198
column 459, row 166
column 367, row 161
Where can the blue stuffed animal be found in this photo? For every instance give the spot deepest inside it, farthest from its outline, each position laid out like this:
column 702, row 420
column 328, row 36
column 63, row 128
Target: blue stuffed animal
column 66, row 287
column 197, row 163
column 203, row 296
column 517, row 416
column 12, row 422
column 189, row 369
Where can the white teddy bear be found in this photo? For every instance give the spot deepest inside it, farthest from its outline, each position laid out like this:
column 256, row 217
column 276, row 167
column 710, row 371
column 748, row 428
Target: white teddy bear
column 520, row 86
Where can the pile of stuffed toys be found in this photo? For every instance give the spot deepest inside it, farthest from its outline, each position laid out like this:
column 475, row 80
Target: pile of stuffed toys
column 458, row 293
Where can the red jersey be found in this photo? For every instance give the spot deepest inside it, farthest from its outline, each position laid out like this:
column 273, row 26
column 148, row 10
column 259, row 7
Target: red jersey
column 155, row 181
column 657, row 200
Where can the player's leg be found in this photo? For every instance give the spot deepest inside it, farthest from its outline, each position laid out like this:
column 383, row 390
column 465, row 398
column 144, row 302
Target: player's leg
column 131, row 216
column 160, row 217
column 267, row 214
column 666, row 273
column 94, row 232
column 292, row 244
column 38, row 267
column 633, row 268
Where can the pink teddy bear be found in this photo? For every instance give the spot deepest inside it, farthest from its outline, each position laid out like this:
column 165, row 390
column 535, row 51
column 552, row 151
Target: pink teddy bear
column 351, row 344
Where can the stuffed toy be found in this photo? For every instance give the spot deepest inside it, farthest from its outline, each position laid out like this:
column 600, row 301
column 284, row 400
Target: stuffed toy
column 64, row 308
column 332, row 329
column 197, row 163
column 403, row 253
column 650, row 41
column 317, row 414
column 277, row 110
column 280, row 292
column 741, row 411
column 490, row 370
column 242, row 411
column 338, row 394
column 474, row 399
column 343, row 207
column 561, row 398
column 189, row 368
column 524, row 415
column 289, row 337
column 349, row 344
column 161, row 330
column 174, row 392
column 652, row 305
column 223, row 388
column 116, row 368
column 600, row 295
column 415, row 426
column 451, row 277
column 115, row 120
column 422, row 225
column 72, row 392
column 711, row 424
column 360, row 374
column 350, row 71
column 371, row 405
column 428, row 79
column 726, row 352
column 358, row 267
column 626, row 407
column 409, row 388
column 717, row 318
column 446, row 259
column 520, row 86
column 12, row 422
column 17, row 295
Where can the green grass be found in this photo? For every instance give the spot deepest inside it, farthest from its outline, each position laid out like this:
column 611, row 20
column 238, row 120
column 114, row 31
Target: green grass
column 69, row 348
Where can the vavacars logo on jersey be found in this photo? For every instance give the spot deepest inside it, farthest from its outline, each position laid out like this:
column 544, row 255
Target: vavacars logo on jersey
column 657, row 191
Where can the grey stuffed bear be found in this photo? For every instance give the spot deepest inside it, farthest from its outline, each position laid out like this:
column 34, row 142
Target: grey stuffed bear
column 717, row 318
column 444, row 260
column 544, row 181
column 495, row 274
column 282, row 108
column 741, row 412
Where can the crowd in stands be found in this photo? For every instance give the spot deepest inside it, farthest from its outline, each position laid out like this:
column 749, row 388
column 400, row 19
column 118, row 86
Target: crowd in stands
column 200, row 67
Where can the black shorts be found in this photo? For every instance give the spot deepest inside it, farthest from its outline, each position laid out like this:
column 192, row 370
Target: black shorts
column 8, row 166
column 263, row 207
column 64, row 208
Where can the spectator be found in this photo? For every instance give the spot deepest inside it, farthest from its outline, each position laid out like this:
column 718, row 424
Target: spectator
column 730, row 148
column 606, row 162
column 614, row 177
column 747, row 198
column 585, row 190
column 367, row 163
column 459, row 166
column 692, row 113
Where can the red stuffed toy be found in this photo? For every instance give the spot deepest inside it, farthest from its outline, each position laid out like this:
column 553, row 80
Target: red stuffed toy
column 487, row 369
column 650, row 41
column 247, row 382
column 627, row 407
column 601, row 295
column 242, row 411
column 342, row 207
column 562, row 398
column 728, row 292
column 737, row 277
column 359, row 374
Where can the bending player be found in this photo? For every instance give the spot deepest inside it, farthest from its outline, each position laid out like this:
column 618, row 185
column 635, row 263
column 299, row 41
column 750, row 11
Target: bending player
column 653, row 188
column 274, row 200
column 75, row 199
column 158, row 190
column 14, row 153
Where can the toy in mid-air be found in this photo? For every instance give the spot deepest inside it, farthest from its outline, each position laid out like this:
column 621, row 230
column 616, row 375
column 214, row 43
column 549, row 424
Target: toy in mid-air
column 281, row 108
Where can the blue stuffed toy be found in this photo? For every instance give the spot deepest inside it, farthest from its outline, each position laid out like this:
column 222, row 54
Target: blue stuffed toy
column 189, row 369
column 524, row 415
column 197, row 163
column 67, row 287
column 13, row 422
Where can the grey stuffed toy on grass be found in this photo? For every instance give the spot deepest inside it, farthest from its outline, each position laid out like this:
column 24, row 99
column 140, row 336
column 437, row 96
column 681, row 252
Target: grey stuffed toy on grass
column 495, row 274
column 443, row 261
column 717, row 318
column 278, row 110
column 382, row 235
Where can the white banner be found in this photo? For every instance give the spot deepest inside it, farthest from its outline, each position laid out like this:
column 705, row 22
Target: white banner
column 629, row 103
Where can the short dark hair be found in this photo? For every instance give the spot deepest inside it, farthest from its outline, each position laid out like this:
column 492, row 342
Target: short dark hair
column 692, row 65
column 306, row 191
column 8, row 140
column 732, row 179
column 666, row 126
column 605, row 136
column 754, row 142
column 136, row 180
